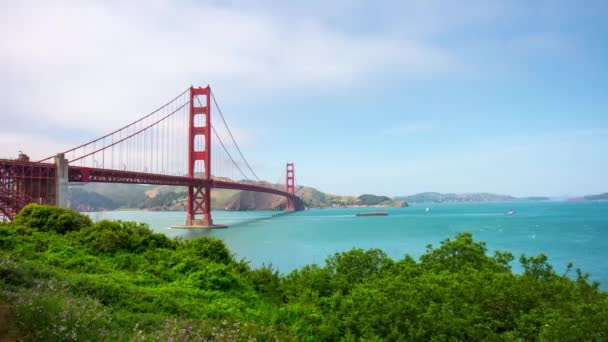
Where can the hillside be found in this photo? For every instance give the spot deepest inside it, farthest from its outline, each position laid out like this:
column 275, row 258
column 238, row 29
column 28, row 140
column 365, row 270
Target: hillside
column 248, row 200
column 368, row 199
column 599, row 197
column 99, row 197
column 476, row 197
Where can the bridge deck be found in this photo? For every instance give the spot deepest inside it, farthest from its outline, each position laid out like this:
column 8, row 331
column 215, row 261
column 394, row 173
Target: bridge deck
column 25, row 173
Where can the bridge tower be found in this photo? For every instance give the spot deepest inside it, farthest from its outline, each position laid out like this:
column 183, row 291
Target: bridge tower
column 199, row 197
column 290, row 187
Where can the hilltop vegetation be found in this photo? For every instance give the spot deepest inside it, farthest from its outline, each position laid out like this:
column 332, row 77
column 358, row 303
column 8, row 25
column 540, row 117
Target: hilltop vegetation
column 65, row 277
column 368, row 199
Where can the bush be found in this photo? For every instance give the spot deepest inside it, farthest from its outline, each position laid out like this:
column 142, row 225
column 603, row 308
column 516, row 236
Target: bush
column 51, row 219
column 50, row 313
column 267, row 282
column 207, row 248
column 7, row 238
column 208, row 330
column 112, row 236
column 215, row 277
column 462, row 252
column 356, row 266
column 122, row 278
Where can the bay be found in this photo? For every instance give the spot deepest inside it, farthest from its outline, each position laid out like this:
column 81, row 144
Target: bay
column 574, row 232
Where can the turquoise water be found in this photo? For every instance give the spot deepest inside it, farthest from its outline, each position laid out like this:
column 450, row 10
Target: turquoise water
column 565, row 231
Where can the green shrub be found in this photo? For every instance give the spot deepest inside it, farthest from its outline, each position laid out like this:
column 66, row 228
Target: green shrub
column 17, row 273
column 51, row 219
column 7, row 238
column 356, row 266
column 120, row 281
column 207, row 248
column 309, row 281
column 267, row 282
column 105, row 289
column 215, row 277
column 209, row 330
column 461, row 252
column 48, row 312
column 112, row 236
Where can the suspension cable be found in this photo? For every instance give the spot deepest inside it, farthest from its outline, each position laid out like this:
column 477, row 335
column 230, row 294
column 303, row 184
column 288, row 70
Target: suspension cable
column 223, row 146
column 232, row 137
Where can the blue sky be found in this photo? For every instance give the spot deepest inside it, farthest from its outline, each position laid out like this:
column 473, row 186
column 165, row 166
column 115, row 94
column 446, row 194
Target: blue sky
column 391, row 97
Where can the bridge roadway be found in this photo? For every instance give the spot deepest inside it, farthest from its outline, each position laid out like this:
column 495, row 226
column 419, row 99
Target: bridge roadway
column 97, row 175
column 22, row 182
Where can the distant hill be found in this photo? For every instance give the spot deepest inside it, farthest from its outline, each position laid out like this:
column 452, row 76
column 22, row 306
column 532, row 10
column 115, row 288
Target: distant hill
column 600, row 197
column 124, row 195
column 477, row 197
column 534, row 198
column 249, row 200
column 83, row 200
column 368, row 199
column 99, row 196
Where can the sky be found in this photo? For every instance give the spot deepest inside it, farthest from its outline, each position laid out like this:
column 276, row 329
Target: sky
column 383, row 97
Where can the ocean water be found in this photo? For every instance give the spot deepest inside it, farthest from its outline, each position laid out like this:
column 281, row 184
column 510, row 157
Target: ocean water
column 565, row 231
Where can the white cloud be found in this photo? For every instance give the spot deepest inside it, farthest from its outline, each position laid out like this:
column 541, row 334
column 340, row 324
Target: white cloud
column 76, row 62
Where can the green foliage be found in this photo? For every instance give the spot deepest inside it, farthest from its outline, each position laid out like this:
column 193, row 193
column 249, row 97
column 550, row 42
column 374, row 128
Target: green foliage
column 215, row 277
column 206, row 248
column 7, row 238
column 113, row 236
column 204, row 330
column 354, row 267
column 51, row 313
column 368, row 199
column 267, row 283
column 456, row 292
column 51, row 219
column 120, row 281
column 463, row 252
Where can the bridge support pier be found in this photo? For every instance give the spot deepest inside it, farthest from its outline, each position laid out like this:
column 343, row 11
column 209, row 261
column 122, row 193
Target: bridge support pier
column 199, row 204
column 199, row 197
column 62, row 181
column 290, row 187
column 199, row 209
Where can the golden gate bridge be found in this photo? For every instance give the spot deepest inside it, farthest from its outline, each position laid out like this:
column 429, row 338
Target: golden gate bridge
column 179, row 144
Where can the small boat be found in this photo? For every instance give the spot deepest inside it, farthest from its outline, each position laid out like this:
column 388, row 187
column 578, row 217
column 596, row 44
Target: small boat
column 510, row 212
column 427, row 210
column 374, row 213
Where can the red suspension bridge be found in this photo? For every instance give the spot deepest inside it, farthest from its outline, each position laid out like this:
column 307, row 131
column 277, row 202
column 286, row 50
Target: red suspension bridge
column 179, row 144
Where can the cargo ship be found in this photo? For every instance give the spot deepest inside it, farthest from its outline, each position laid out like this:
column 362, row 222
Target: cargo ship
column 375, row 213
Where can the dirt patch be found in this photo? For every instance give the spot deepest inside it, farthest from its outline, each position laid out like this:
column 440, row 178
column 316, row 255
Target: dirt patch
column 8, row 328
